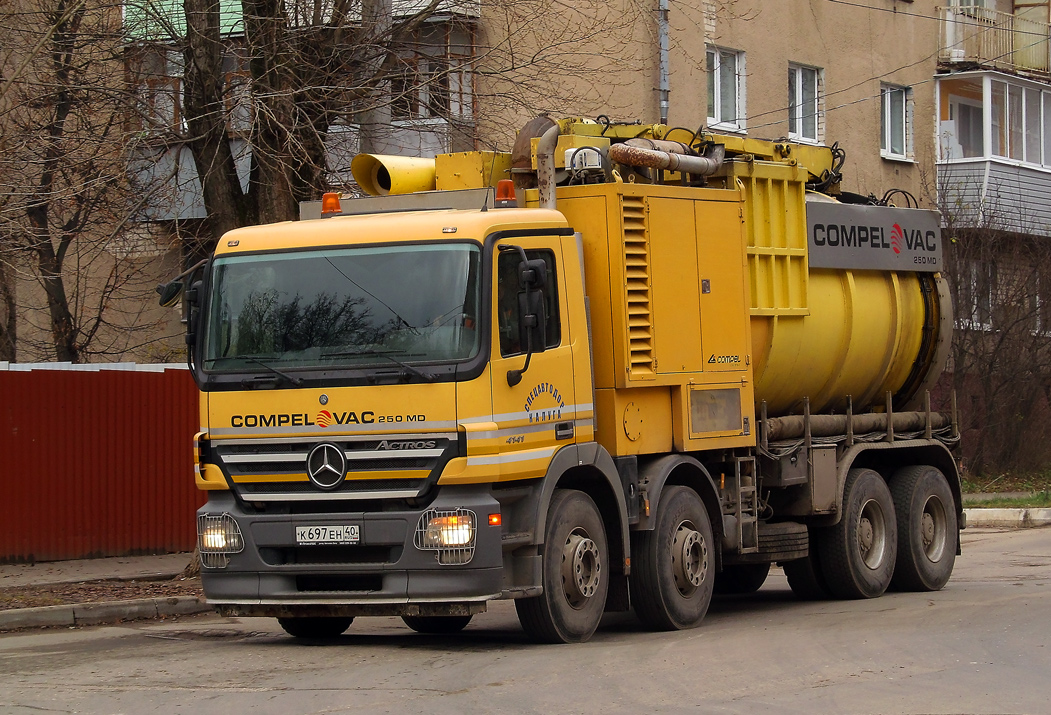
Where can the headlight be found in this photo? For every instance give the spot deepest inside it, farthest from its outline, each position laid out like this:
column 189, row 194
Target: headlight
column 218, row 536
column 450, row 532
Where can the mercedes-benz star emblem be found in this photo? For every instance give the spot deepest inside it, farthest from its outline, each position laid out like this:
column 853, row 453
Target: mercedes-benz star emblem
column 326, row 465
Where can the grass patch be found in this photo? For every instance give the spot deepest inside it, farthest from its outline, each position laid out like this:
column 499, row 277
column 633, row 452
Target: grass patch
column 1034, row 482
column 1037, row 500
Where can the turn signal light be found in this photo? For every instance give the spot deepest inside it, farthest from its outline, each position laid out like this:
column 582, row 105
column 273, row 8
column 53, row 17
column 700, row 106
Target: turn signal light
column 494, row 520
column 330, row 203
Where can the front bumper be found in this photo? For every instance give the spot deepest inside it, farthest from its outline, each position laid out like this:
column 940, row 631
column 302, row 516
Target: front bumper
column 383, row 574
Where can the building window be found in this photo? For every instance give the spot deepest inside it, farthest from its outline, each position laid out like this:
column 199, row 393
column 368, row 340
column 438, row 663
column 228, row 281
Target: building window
column 1016, row 122
column 157, row 74
column 977, row 287
column 1038, row 294
column 961, row 119
column 725, row 88
column 896, row 124
column 1016, row 115
column 804, row 113
column 970, row 7
column 434, row 80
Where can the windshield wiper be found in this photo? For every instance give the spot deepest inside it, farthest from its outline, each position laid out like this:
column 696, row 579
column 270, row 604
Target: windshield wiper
column 296, row 381
column 389, row 355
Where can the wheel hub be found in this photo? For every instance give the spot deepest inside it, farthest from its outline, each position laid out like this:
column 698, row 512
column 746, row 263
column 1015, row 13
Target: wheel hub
column 581, row 569
column 927, row 530
column 865, row 535
column 689, row 557
column 933, row 529
column 872, row 534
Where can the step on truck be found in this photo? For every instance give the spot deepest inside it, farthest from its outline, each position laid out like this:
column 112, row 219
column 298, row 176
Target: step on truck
column 623, row 366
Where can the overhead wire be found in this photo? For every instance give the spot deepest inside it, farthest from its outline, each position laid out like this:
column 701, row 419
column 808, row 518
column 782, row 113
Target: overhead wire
column 826, row 110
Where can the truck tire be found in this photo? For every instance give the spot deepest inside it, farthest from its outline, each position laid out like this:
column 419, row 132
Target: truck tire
column 437, row 625
column 575, row 573
column 315, row 627
column 805, row 576
column 673, row 566
column 927, row 529
column 857, row 555
column 740, row 579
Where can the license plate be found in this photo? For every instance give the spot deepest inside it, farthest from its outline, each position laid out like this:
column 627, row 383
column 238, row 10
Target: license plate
column 346, row 534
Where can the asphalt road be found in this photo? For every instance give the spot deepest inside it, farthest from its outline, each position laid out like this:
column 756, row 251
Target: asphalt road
column 978, row 646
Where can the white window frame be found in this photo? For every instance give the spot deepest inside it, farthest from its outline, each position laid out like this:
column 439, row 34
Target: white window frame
column 437, row 80
column 977, row 295
column 798, row 111
column 972, row 8
column 949, row 130
column 887, row 126
column 717, row 90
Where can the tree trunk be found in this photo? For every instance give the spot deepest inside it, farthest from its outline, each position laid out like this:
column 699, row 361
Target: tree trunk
column 8, row 316
column 206, row 119
column 193, row 569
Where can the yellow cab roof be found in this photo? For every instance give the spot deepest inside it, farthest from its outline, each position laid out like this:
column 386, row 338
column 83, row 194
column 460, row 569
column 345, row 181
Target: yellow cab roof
column 361, row 229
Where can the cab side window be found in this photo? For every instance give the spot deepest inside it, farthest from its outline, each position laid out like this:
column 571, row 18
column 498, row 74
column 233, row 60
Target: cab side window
column 508, row 291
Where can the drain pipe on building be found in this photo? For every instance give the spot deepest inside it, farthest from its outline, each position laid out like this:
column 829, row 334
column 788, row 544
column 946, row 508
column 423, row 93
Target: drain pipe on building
column 662, row 35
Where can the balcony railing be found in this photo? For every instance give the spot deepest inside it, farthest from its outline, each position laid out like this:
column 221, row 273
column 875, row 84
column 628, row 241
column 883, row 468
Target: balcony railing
column 994, row 39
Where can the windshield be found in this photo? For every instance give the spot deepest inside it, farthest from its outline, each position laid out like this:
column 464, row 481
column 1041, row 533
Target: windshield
column 347, row 306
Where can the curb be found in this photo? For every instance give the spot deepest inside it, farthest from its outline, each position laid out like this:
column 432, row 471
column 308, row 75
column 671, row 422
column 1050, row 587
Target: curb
column 1007, row 518
column 92, row 614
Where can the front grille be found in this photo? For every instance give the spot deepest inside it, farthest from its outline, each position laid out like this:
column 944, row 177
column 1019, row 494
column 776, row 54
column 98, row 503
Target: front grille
column 360, row 485
column 358, row 465
column 334, row 555
column 242, row 460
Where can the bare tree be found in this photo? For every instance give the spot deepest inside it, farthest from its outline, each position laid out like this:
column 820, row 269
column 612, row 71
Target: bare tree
column 65, row 200
column 1000, row 366
column 270, row 100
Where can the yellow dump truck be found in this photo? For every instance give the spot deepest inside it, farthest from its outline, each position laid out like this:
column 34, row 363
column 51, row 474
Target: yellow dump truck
column 646, row 368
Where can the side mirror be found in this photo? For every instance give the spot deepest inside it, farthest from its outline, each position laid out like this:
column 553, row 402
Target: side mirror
column 193, row 293
column 532, row 274
column 532, row 326
column 192, row 296
column 532, row 329
column 169, row 293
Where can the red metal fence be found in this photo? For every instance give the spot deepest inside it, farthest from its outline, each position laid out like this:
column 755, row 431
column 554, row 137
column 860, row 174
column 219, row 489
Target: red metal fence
column 96, row 461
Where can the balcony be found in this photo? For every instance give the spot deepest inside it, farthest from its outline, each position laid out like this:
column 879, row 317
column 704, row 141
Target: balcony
column 994, row 151
column 978, row 36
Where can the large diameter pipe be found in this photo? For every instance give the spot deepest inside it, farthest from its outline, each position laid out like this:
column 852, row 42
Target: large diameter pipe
column 545, row 167
column 664, row 155
column 383, row 174
column 793, row 426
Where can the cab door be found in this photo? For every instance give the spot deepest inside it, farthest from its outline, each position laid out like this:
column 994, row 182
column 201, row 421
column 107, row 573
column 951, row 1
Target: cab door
column 535, row 409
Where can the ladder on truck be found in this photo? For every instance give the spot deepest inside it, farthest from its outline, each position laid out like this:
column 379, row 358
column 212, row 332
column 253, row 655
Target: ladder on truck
column 745, row 497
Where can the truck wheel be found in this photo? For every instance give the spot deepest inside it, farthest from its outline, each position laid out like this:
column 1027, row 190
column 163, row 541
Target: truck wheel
column 673, row 566
column 857, row 555
column 315, row 627
column 437, row 624
column 805, row 577
column 927, row 530
column 741, row 578
column 575, row 573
